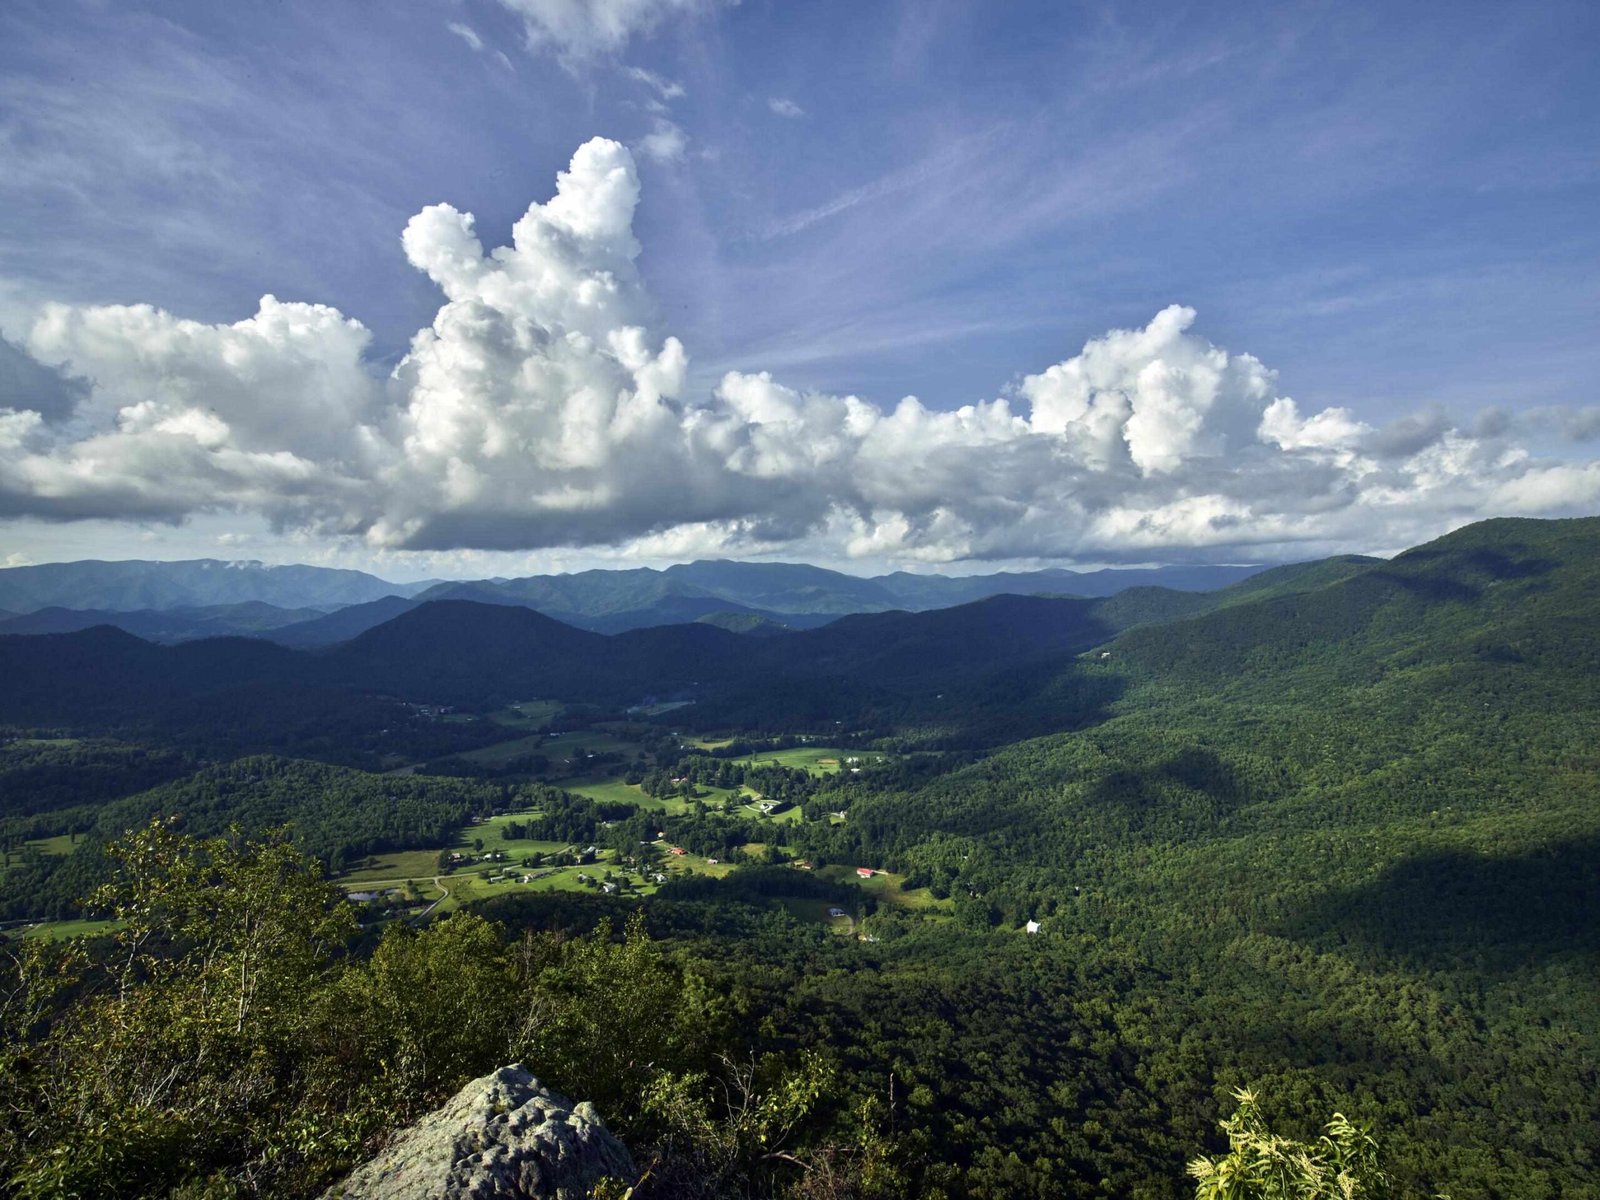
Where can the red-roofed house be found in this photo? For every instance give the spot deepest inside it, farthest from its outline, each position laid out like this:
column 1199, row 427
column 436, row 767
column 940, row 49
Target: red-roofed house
column 865, row 872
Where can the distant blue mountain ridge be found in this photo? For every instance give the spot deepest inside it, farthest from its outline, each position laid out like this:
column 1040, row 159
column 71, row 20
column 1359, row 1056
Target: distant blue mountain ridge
column 307, row 606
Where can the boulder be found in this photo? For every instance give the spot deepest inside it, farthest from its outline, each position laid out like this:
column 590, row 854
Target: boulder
column 503, row 1136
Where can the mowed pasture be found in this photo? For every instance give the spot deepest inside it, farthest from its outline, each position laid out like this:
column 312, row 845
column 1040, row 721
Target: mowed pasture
column 530, row 715
column 887, row 888
column 59, row 846
column 789, row 816
column 819, row 760
column 60, row 930
column 616, row 791
column 55, row 847
column 400, row 866
column 820, row 912
column 566, row 751
column 501, row 753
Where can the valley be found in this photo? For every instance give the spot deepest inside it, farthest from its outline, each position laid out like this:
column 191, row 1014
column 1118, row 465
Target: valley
column 1047, row 878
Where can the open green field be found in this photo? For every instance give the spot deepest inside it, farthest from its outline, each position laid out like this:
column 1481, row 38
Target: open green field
column 504, row 752
column 615, row 791
column 530, row 715
column 666, row 706
column 712, row 797
column 395, row 865
column 566, row 751
column 788, row 816
column 57, row 930
column 56, row 847
column 60, row 846
column 819, row 760
column 885, row 886
column 490, row 829
column 696, row 864
column 591, row 741
column 401, row 865
column 816, row 911
column 471, row 886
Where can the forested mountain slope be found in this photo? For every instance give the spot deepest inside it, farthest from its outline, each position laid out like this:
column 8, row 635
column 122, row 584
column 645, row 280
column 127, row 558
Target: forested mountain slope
column 1346, row 842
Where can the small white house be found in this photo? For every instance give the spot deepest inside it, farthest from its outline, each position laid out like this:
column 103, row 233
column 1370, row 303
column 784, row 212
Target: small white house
column 1032, row 927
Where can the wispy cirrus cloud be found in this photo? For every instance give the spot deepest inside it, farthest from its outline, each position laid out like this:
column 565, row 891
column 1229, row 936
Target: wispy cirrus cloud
column 467, row 34
column 580, row 31
column 664, row 88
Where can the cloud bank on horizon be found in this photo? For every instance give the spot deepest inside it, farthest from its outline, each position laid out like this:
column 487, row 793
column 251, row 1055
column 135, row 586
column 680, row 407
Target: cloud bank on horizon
column 544, row 407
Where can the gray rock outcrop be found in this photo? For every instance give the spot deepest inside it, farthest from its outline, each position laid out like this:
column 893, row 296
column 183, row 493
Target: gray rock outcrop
column 503, row 1137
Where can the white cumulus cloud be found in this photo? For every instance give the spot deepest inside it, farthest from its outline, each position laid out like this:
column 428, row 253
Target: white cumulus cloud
column 544, row 407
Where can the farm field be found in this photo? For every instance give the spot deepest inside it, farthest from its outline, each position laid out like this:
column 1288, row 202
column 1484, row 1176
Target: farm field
column 395, row 865
column 594, row 741
column 420, row 865
column 819, row 760
column 490, row 831
column 817, row 912
column 471, row 886
column 789, row 816
column 529, row 715
column 60, row 846
column 885, row 886
column 59, row 930
column 697, row 864
column 615, row 791
column 55, row 847
column 504, row 752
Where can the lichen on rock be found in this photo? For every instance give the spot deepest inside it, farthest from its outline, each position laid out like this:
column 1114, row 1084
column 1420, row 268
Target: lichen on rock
column 502, row 1137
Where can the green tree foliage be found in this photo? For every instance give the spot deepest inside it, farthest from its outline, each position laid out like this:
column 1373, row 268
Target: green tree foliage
column 180, row 1053
column 223, row 1042
column 609, row 1015
column 338, row 814
column 1260, row 1165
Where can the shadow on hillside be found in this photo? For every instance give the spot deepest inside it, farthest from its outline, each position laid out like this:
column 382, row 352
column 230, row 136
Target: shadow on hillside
column 1459, row 572
column 1194, row 789
column 1459, row 909
column 1431, row 589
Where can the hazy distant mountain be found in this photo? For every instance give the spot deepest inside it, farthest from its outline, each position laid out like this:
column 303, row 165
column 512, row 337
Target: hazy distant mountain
column 135, row 585
column 1500, row 591
column 172, row 625
column 328, row 629
column 788, row 593
column 770, row 596
column 938, row 591
column 180, row 601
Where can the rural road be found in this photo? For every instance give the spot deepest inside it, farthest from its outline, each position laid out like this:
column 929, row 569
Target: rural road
column 438, row 883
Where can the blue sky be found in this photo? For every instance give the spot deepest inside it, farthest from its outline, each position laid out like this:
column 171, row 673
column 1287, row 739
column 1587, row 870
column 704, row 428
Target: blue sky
column 1390, row 208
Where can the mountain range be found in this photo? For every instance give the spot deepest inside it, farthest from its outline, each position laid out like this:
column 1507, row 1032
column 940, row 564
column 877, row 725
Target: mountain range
column 933, row 664
column 317, row 606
